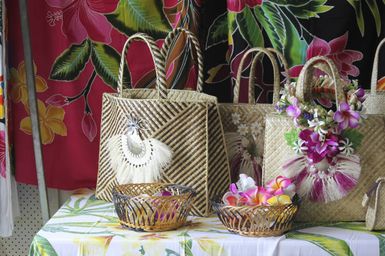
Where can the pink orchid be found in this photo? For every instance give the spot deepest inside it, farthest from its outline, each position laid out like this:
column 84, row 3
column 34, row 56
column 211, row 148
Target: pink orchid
column 84, row 18
column 336, row 50
column 294, row 110
column 345, row 117
column 317, row 149
column 360, row 93
column 280, row 185
column 239, row 5
column 256, row 196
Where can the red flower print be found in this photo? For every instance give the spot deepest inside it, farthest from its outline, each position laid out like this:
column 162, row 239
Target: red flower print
column 82, row 18
column 239, row 5
column 335, row 50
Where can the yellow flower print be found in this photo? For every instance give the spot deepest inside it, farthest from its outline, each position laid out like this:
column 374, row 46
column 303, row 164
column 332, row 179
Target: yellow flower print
column 51, row 123
column 94, row 246
column 18, row 82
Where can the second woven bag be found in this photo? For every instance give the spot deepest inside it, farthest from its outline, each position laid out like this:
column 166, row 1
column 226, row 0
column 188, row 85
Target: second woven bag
column 179, row 119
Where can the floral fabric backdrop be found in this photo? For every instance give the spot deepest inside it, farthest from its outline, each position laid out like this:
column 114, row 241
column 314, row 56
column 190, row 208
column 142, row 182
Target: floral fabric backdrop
column 77, row 43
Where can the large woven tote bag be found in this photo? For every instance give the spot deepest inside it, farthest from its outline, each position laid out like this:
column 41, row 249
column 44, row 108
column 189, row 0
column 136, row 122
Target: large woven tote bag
column 375, row 101
column 371, row 153
column 175, row 117
column 244, row 123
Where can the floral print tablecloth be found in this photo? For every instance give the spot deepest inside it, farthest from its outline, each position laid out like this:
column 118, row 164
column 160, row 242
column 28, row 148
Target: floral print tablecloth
column 87, row 226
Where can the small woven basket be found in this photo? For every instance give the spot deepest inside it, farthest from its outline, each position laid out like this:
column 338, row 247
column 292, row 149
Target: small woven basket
column 256, row 220
column 139, row 209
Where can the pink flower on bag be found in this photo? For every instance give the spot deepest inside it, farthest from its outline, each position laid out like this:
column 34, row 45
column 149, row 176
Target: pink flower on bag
column 239, row 5
column 293, row 110
column 84, row 18
column 317, row 149
column 336, row 50
column 345, row 117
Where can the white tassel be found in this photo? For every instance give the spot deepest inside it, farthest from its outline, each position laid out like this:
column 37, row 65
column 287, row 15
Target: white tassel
column 324, row 185
column 138, row 161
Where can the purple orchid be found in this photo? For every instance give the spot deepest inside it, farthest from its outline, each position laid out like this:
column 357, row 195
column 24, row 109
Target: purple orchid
column 360, row 93
column 294, row 110
column 345, row 117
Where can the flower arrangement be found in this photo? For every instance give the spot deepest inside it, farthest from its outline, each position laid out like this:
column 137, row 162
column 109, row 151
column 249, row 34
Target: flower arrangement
column 251, row 210
column 278, row 191
column 325, row 168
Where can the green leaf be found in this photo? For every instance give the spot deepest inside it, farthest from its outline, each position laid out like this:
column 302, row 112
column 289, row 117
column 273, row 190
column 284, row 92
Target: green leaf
column 249, row 28
column 334, row 246
column 71, row 62
column 295, row 45
column 310, row 9
column 376, row 14
column 147, row 16
column 354, row 136
column 272, row 22
column 170, row 252
column 361, row 228
column 291, row 137
column 41, row 247
column 359, row 16
column 106, row 61
column 218, row 31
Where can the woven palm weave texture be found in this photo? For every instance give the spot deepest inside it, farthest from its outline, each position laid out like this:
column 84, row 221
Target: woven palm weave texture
column 180, row 119
column 250, row 114
column 371, row 150
column 375, row 101
column 375, row 215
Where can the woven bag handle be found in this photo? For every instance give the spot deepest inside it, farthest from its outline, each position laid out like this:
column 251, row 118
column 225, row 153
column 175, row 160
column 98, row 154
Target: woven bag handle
column 373, row 84
column 283, row 62
column 251, row 93
column 169, row 40
column 156, row 57
column 303, row 87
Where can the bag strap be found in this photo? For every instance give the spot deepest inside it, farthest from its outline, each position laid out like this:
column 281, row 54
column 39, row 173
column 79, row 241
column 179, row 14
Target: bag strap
column 251, row 91
column 172, row 37
column 157, row 59
column 370, row 192
column 283, row 63
column 304, row 82
column 373, row 83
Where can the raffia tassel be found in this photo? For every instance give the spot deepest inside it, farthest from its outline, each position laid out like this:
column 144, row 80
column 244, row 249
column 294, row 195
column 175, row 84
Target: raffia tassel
column 319, row 186
column 144, row 167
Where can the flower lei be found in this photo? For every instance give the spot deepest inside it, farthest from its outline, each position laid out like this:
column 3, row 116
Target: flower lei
column 322, row 132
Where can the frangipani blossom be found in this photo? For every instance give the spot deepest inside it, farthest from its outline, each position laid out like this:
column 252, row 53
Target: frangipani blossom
column 279, row 200
column 256, row 196
column 281, row 185
column 245, row 183
column 345, row 117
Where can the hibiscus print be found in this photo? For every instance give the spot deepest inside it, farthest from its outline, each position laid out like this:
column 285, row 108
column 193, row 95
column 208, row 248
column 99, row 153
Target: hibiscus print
column 335, row 50
column 50, row 120
column 85, row 18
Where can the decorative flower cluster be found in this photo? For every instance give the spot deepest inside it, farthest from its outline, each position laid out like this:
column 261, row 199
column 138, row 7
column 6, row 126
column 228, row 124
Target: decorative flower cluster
column 278, row 191
column 323, row 132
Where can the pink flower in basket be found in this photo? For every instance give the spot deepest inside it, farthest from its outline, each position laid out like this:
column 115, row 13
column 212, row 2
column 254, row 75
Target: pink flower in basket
column 345, row 117
column 281, row 185
column 256, row 196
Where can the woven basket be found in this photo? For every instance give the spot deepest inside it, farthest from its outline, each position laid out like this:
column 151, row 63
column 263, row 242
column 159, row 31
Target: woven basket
column 140, row 210
column 371, row 153
column 375, row 101
column 256, row 220
column 248, row 158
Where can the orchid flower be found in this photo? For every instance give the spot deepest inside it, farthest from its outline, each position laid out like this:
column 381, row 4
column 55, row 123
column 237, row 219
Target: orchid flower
column 345, row 117
column 294, row 110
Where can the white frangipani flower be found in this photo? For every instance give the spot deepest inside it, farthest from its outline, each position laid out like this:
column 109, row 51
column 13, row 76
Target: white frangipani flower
column 245, row 182
column 346, row 147
column 236, row 118
column 243, row 129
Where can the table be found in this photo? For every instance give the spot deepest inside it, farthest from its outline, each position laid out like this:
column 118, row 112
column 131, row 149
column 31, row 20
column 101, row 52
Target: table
column 87, row 226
